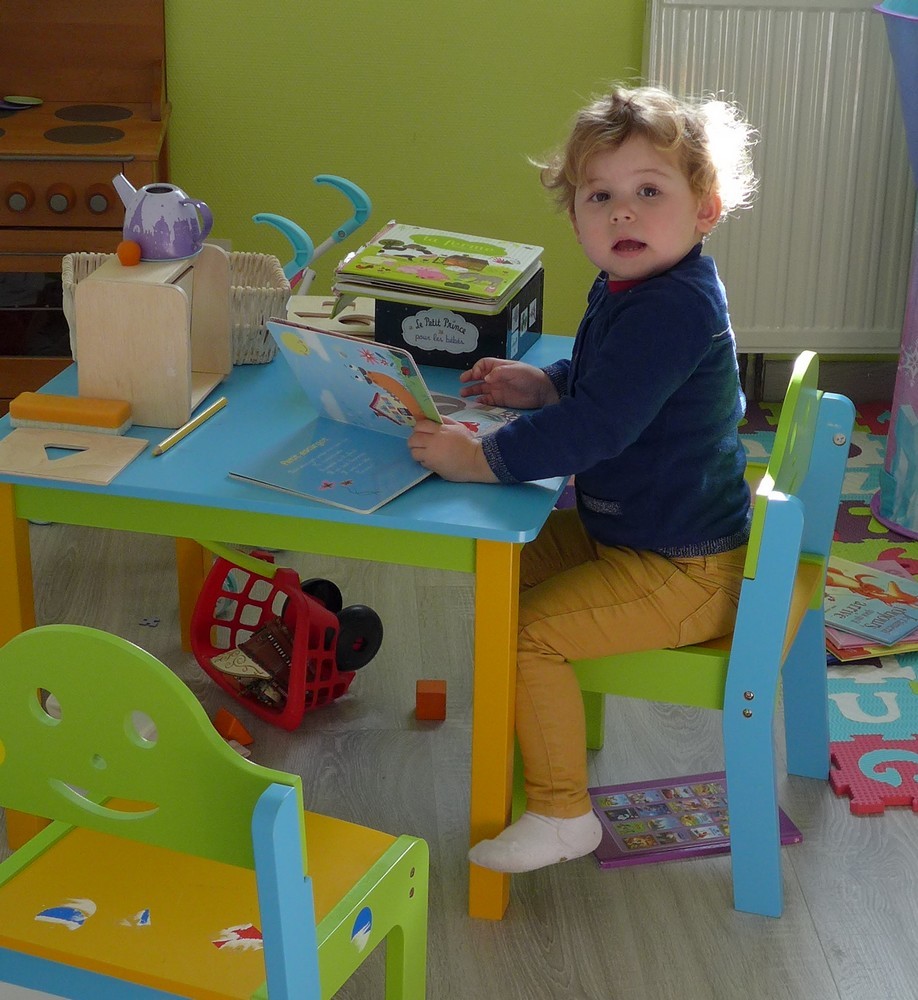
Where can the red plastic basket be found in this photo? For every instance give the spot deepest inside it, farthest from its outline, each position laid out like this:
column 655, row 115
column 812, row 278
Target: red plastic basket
column 235, row 602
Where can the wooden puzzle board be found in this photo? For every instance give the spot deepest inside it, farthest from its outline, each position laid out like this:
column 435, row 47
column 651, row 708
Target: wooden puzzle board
column 69, row 456
column 357, row 319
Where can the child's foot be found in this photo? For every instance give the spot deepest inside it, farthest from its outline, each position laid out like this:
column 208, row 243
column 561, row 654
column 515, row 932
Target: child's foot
column 535, row 841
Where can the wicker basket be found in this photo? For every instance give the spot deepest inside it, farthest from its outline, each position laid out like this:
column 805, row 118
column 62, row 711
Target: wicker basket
column 74, row 268
column 258, row 291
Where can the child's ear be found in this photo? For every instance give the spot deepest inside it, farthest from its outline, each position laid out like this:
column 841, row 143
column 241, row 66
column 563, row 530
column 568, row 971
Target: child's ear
column 709, row 209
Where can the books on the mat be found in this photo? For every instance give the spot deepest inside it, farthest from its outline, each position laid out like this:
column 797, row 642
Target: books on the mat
column 353, row 453
column 668, row 819
column 846, row 647
column 878, row 607
column 417, row 264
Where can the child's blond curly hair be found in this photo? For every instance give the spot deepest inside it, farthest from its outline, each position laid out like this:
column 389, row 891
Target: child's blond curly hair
column 710, row 137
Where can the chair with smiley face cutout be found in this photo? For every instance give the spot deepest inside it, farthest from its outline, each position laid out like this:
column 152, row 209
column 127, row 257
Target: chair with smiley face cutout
column 173, row 866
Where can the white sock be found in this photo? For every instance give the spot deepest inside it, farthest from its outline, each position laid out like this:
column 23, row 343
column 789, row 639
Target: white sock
column 535, row 841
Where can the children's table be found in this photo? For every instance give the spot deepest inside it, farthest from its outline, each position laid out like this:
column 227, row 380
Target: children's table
column 186, row 494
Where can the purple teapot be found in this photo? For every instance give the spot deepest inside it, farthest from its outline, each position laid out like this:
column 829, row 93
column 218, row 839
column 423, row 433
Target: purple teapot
column 166, row 223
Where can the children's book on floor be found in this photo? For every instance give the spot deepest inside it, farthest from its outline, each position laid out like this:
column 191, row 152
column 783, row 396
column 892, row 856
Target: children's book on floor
column 668, row 819
column 415, row 264
column 878, row 607
column 367, row 398
column 846, row 647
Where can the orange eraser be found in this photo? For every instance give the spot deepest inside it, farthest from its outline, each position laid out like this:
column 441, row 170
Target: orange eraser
column 81, row 413
column 230, row 728
column 430, row 700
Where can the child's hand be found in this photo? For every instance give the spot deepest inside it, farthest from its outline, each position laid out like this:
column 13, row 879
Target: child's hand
column 450, row 450
column 508, row 383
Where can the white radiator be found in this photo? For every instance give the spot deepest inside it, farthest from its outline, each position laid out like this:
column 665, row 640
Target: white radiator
column 822, row 259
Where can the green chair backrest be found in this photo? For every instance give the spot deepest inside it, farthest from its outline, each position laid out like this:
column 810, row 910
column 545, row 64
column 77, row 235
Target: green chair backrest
column 793, row 447
column 128, row 733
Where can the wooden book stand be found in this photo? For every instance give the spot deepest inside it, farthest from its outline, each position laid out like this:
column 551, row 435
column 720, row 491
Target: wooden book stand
column 156, row 334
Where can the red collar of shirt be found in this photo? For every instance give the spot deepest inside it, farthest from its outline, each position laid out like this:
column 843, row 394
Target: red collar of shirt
column 615, row 287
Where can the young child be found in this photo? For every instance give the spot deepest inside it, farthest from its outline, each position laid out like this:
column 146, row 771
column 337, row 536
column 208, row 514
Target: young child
column 645, row 417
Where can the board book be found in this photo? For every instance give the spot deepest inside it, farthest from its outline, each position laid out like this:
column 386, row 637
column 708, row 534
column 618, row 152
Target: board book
column 367, row 397
column 867, row 602
column 667, row 820
column 414, row 264
column 845, row 647
column 842, row 651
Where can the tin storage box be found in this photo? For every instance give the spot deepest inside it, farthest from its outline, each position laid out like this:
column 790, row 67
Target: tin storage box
column 448, row 298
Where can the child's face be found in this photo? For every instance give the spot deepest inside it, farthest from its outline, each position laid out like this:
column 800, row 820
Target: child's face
column 635, row 215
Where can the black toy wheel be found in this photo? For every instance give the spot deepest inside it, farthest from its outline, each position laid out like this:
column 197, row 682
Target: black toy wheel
column 360, row 635
column 325, row 592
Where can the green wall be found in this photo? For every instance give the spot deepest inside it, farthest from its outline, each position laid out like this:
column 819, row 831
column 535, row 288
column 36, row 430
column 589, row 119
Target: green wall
column 432, row 108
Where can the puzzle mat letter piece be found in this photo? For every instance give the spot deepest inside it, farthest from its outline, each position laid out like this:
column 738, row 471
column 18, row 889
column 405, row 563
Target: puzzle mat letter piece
column 875, row 773
column 905, row 557
column 888, row 709
column 96, row 458
column 760, row 417
column 758, row 446
column 891, row 546
column 868, row 673
column 869, row 451
column 860, row 484
column 855, row 524
column 873, row 417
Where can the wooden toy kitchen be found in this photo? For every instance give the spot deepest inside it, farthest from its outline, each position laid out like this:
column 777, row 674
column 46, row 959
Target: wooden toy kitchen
column 87, row 78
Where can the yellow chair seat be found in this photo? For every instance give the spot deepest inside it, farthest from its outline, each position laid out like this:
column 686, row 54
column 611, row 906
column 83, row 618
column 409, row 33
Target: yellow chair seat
column 807, row 589
column 193, row 904
column 340, row 854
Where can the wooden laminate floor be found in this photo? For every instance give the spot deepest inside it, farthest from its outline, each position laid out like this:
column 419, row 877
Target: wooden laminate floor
column 656, row 931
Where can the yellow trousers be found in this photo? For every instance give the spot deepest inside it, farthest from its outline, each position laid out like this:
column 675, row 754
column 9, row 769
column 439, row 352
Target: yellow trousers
column 581, row 600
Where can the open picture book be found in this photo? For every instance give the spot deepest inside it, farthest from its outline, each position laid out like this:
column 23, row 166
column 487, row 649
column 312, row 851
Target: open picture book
column 353, row 453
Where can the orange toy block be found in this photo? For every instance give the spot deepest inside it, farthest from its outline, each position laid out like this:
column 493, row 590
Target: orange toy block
column 430, row 700
column 230, row 728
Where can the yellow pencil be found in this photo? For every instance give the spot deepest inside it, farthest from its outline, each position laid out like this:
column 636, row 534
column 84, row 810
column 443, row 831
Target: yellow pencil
column 185, row 429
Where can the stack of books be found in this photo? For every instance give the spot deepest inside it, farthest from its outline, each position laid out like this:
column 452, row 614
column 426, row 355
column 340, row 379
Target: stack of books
column 448, row 298
column 418, row 265
column 870, row 609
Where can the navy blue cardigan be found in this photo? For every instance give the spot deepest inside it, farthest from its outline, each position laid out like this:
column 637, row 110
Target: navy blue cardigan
column 647, row 420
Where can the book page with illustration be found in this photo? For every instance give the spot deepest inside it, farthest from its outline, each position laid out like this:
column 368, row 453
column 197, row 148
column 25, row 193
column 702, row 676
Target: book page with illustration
column 367, row 398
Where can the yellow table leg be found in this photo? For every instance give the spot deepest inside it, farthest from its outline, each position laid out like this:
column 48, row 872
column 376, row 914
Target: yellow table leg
column 193, row 563
column 17, row 600
column 17, row 613
column 497, row 570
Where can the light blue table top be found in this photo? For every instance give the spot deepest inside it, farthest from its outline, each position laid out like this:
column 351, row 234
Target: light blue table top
column 263, row 402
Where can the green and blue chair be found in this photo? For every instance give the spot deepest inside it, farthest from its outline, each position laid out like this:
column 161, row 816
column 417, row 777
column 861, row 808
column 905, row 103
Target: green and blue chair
column 779, row 636
column 174, row 866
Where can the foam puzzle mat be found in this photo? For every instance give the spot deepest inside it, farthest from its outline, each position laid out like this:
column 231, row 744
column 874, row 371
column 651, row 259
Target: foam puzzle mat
column 873, row 704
